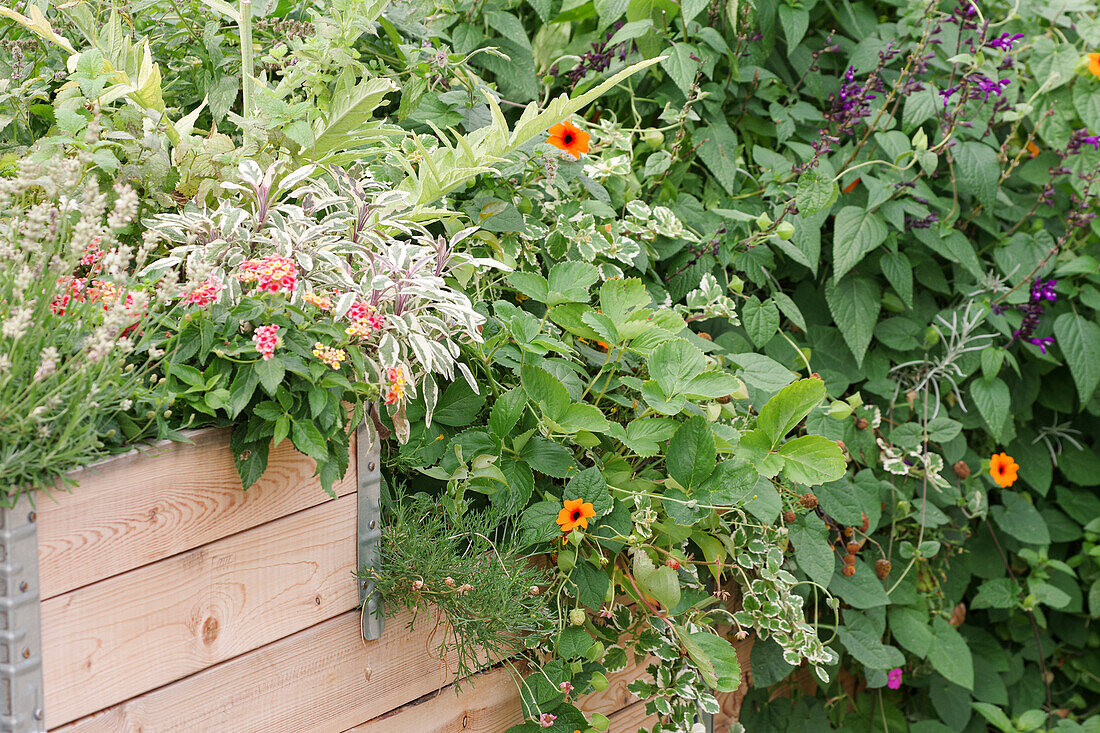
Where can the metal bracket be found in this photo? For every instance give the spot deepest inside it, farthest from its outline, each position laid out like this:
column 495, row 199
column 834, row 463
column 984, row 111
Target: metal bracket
column 369, row 527
column 21, row 695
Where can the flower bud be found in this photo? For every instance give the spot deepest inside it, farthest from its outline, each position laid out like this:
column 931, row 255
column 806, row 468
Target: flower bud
column 764, row 221
column 785, row 230
column 577, row 616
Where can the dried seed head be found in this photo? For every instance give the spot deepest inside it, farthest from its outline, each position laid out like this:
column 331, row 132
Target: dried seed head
column 808, row 501
column 882, row 568
column 961, row 469
column 849, row 570
column 853, row 547
column 789, row 516
column 849, row 559
column 861, row 423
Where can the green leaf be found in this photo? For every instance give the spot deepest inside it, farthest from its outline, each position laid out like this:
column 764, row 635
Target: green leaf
column 538, row 523
column 811, row 460
column 691, row 453
column 642, row 436
column 569, row 282
column 719, row 150
column 815, row 192
column 977, row 170
column 789, row 407
column 545, row 390
column 270, row 373
column 591, row 585
column 855, row 233
column 862, row 590
column 622, row 299
column 855, row 303
column 674, row 364
column 708, row 385
column 722, row 658
column 795, row 22
column 531, row 284
column 506, row 412
column 950, row 655
column 1019, row 518
column 1079, row 340
column 548, row 457
column 679, row 65
column 994, row 715
column 864, row 642
column 812, row 550
column 761, row 320
column 459, row 405
column 574, row 640
column 911, row 629
column 351, row 111
column 993, row 400
column 662, row 584
column 590, row 486
column 241, row 389
column 610, row 10
column 996, row 593
column 899, row 272
column 308, row 439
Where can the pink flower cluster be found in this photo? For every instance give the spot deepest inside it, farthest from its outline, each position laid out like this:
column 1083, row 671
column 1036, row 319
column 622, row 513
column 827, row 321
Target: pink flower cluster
column 266, row 339
column 81, row 289
column 92, row 253
column 273, row 273
column 206, row 293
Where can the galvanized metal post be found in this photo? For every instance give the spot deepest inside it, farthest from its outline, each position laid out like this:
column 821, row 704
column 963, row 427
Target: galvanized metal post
column 21, row 703
column 369, row 528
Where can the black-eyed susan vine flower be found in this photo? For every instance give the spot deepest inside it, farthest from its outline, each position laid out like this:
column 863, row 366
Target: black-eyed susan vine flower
column 575, row 513
column 1003, row 468
column 568, row 137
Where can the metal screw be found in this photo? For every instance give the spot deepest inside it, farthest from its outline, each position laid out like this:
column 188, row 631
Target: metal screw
column 370, row 466
column 26, row 653
column 33, row 516
column 372, row 524
column 23, row 587
column 39, row 713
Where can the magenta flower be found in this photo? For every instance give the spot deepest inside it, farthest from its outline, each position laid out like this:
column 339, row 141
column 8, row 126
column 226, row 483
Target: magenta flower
column 546, row 720
column 893, row 678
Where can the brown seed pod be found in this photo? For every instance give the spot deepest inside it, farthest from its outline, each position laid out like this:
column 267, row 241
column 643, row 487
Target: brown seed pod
column 865, row 525
column 789, row 516
column 808, row 501
column 882, row 568
column 847, row 531
column 725, row 399
column 848, row 570
column 853, row 547
column 961, row 469
column 849, row 559
column 704, row 335
column 861, row 423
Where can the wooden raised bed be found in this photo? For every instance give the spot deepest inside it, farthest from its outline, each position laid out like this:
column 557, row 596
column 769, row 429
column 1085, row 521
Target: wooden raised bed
column 171, row 600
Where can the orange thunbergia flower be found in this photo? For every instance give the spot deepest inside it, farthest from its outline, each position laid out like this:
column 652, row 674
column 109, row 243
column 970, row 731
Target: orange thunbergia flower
column 570, row 138
column 1003, row 469
column 575, row 513
column 1033, row 149
column 1094, row 64
column 851, row 186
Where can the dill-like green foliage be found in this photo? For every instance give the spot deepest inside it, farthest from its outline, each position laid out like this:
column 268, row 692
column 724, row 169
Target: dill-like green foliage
column 489, row 596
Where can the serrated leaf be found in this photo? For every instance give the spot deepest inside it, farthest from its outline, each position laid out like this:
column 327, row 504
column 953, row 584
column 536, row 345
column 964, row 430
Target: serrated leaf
column 789, row 407
column 811, row 460
column 855, row 303
column 855, row 233
column 691, row 456
column 1079, row 340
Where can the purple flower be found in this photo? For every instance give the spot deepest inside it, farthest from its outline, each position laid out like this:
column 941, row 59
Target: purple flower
column 986, row 86
column 1081, row 138
column 925, row 223
column 1033, row 313
column 1042, row 342
column 893, row 678
column 1005, row 41
column 948, row 93
column 851, row 102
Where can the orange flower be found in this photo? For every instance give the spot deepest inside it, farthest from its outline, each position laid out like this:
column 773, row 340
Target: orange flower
column 1003, row 469
column 575, row 513
column 851, row 186
column 566, row 136
column 1094, row 64
column 1033, row 149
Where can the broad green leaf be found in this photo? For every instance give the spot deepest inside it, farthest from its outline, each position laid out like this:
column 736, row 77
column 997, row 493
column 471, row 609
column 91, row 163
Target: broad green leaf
column 506, row 412
column 351, row 110
column 574, row 641
column 911, row 629
column 691, row 453
column 761, row 320
column 538, row 523
column 1079, row 340
column 610, row 10
column 546, row 390
column 719, row 150
column 789, row 407
column 674, row 364
column 643, row 436
column 591, row 587
column 270, row 372
column 570, row 281
column 1019, row 518
column 862, row 641
column 855, row 303
column 812, row 550
column 811, row 460
column 708, row 385
column 531, row 284
column 977, row 170
column 679, row 65
column 815, row 192
column 855, row 233
column 899, row 272
column 862, row 590
column 993, row 400
column 722, row 658
column 308, row 439
column 950, row 655
column 590, row 486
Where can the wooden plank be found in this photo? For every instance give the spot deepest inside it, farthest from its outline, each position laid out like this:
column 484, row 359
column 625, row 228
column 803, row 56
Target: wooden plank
column 165, row 499
column 490, row 703
column 130, row 633
column 630, row 719
column 325, row 678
